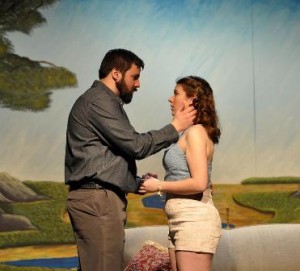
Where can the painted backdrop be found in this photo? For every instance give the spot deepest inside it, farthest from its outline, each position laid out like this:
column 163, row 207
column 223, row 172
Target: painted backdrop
column 50, row 52
column 248, row 50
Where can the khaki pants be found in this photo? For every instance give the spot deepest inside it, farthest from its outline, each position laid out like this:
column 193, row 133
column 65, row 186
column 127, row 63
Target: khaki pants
column 98, row 217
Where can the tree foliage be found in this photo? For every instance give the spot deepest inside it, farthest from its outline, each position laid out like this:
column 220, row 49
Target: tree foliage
column 26, row 84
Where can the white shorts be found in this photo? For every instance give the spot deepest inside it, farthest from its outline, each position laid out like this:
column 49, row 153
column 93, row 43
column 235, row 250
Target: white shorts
column 194, row 225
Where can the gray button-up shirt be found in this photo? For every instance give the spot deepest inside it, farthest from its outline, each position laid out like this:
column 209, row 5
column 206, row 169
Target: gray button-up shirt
column 103, row 145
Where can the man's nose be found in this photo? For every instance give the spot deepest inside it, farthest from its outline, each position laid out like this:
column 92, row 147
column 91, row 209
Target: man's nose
column 137, row 84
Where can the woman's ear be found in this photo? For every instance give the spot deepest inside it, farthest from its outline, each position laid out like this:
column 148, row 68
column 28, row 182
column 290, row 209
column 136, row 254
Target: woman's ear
column 191, row 100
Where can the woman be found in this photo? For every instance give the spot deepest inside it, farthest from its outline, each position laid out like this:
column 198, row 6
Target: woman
column 194, row 222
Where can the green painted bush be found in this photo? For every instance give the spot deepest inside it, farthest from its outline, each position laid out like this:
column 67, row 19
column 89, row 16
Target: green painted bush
column 271, row 180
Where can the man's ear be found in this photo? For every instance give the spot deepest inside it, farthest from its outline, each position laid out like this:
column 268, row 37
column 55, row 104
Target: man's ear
column 116, row 75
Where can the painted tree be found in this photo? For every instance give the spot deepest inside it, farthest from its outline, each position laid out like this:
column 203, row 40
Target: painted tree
column 26, row 84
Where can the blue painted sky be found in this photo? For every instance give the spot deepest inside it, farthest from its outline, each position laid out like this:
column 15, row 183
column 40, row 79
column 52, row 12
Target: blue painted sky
column 248, row 50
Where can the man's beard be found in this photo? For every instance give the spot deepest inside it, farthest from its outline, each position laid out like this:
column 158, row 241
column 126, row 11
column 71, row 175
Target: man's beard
column 125, row 93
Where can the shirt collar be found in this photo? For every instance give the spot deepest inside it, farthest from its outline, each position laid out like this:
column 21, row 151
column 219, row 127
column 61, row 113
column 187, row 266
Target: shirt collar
column 113, row 95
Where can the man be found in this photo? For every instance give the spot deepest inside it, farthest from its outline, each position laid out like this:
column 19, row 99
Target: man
column 100, row 164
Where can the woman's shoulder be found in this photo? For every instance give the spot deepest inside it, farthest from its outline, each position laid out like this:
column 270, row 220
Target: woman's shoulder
column 195, row 133
column 196, row 129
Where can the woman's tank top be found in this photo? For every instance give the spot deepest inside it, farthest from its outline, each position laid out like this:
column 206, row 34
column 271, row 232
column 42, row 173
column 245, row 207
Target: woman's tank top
column 176, row 167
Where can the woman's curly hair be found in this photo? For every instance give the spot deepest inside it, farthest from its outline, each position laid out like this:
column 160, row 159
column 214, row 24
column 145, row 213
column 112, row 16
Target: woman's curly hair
column 204, row 103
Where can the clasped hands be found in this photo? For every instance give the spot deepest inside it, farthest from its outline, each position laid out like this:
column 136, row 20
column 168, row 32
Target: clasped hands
column 149, row 183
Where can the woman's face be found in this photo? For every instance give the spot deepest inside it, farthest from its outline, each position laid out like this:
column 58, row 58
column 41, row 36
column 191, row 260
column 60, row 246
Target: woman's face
column 179, row 99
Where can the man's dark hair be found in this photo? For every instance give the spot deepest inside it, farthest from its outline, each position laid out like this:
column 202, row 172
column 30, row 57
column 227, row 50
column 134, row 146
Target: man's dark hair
column 120, row 59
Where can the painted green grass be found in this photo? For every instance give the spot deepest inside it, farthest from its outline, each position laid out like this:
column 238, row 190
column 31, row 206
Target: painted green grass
column 46, row 215
column 53, row 227
column 272, row 180
column 284, row 206
column 49, row 216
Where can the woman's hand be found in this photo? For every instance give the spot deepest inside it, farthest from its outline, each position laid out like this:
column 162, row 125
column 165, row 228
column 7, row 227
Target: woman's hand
column 149, row 185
